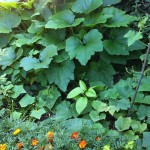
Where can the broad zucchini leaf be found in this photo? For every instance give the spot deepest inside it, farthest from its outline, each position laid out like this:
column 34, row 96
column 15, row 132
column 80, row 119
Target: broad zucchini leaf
column 84, row 50
column 63, row 19
column 8, row 20
column 61, row 74
column 85, row 6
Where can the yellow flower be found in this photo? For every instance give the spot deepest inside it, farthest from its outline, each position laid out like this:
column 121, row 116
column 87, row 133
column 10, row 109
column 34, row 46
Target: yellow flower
column 2, row 146
column 106, row 147
column 16, row 131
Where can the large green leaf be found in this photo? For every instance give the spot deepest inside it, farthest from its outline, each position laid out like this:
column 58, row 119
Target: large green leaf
column 61, row 74
column 122, row 123
column 63, row 111
column 112, row 2
column 48, row 97
column 146, row 137
column 58, row 38
column 119, row 19
column 100, row 106
column 26, row 100
column 118, row 45
column 133, row 36
column 25, row 39
column 84, row 50
column 5, row 39
column 8, row 20
column 7, row 56
column 44, row 60
column 124, row 89
column 81, row 104
column 37, row 113
column 101, row 71
column 17, row 89
column 63, row 19
column 75, row 92
column 85, row 6
column 96, row 18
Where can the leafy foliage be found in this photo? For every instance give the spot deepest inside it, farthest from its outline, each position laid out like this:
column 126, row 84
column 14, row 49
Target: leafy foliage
column 47, row 47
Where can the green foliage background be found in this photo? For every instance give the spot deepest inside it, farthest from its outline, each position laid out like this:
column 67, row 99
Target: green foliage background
column 48, row 46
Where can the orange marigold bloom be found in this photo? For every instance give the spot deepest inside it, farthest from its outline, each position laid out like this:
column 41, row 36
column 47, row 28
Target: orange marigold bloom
column 75, row 135
column 16, row 131
column 20, row 145
column 97, row 138
column 82, row 144
column 34, row 142
column 2, row 146
column 50, row 136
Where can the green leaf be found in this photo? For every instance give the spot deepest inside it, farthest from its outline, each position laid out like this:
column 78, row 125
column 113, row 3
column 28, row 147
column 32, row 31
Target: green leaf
column 82, row 85
column 75, row 92
column 132, row 36
column 7, row 57
column 123, row 104
column 48, row 97
column 44, row 60
column 26, row 100
column 112, row 2
column 138, row 127
column 117, row 44
column 116, row 59
column 84, row 50
column 124, row 89
column 90, row 93
column 145, row 86
column 17, row 89
column 119, row 19
column 146, row 137
column 96, row 18
column 63, row 19
column 81, row 104
column 5, row 39
column 100, row 106
column 15, row 115
column 111, row 93
column 37, row 113
column 58, row 38
column 25, row 39
column 28, row 63
column 61, row 74
column 85, row 6
column 101, row 71
column 123, row 123
column 63, row 111
column 8, row 20
column 95, row 116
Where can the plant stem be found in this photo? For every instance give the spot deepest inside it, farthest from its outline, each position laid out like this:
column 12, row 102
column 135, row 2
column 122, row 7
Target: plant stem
column 139, row 81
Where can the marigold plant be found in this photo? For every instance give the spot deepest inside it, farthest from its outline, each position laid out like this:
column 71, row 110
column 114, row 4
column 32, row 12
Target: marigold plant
column 2, row 146
column 34, row 142
column 82, row 144
column 75, row 135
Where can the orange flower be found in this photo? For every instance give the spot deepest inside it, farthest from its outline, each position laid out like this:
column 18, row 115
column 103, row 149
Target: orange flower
column 82, row 144
column 34, row 142
column 2, row 146
column 20, row 145
column 97, row 138
column 50, row 136
column 75, row 135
